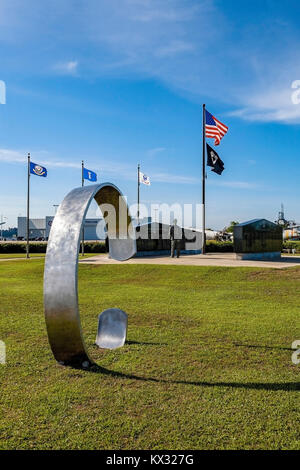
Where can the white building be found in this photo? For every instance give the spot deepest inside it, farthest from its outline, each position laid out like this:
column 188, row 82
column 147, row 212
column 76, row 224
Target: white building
column 40, row 228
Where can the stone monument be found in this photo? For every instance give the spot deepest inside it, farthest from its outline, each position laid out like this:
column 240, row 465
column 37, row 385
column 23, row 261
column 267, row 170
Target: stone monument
column 258, row 239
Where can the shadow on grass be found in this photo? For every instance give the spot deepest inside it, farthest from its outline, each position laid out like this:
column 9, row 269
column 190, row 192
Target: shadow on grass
column 144, row 343
column 271, row 386
column 133, row 343
column 263, row 347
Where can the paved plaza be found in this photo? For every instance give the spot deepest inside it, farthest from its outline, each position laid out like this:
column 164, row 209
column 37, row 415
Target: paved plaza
column 210, row 259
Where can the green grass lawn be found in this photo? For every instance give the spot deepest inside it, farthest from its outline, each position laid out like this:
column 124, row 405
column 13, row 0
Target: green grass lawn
column 21, row 255
column 207, row 364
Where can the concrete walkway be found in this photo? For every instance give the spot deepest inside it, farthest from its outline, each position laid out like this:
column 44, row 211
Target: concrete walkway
column 22, row 258
column 211, row 259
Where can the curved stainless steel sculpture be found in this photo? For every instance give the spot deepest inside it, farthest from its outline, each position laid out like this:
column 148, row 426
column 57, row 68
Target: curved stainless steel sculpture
column 61, row 265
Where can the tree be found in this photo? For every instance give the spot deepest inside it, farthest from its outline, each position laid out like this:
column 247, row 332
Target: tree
column 230, row 227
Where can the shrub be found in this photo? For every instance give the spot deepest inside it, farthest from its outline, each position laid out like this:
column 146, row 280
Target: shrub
column 35, row 247
column 94, row 247
column 289, row 245
column 221, row 247
column 18, row 247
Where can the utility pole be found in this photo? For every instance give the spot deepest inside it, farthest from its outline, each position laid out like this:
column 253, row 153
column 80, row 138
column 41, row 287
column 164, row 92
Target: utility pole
column 82, row 184
column 203, row 184
column 138, row 194
column 28, row 196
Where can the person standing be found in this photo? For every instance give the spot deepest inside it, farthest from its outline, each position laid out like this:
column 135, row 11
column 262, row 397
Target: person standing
column 175, row 237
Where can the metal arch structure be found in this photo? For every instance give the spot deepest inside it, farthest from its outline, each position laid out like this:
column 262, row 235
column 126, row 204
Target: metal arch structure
column 61, row 266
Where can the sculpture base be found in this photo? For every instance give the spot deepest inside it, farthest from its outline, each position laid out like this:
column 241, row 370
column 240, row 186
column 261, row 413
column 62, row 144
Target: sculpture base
column 266, row 256
column 166, row 253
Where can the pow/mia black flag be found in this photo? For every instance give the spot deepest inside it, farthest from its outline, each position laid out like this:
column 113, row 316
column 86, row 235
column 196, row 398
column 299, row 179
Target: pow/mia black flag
column 214, row 160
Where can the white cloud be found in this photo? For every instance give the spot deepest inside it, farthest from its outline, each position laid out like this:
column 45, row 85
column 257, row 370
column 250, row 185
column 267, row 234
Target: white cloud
column 173, row 179
column 18, row 156
column 182, row 179
column 236, row 184
column 173, row 48
column 67, row 68
column 197, row 47
column 285, row 115
column 273, row 105
column 12, row 156
column 127, row 172
column 166, row 11
column 155, row 151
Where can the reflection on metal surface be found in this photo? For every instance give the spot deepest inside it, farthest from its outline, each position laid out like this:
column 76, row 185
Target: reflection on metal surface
column 112, row 329
column 61, row 265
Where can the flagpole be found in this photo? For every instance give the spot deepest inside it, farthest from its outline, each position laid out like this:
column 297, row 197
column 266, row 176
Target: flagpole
column 82, row 184
column 138, row 195
column 203, row 184
column 28, row 195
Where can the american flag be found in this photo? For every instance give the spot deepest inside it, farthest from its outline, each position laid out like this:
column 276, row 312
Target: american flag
column 214, row 128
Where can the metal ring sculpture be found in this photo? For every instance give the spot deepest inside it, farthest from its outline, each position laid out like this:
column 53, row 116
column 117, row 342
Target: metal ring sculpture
column 61, row 266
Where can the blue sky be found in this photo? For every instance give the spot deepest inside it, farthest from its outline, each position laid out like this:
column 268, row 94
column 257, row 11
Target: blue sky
column 117, row 82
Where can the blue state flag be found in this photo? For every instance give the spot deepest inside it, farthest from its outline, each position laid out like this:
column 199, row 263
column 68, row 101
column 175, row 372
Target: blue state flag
column 89, row 175
column 38, row 170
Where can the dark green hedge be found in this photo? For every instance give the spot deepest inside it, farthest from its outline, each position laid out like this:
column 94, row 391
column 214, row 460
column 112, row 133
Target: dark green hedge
column 292, row 244
column 89, row 247
column 94, row 247
column 221, row 247
column 215, row 246
column 99, row 247
column 21, row 247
